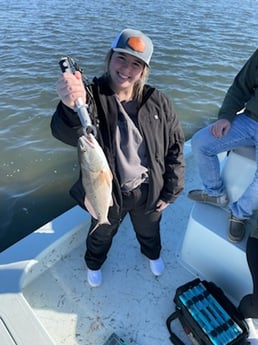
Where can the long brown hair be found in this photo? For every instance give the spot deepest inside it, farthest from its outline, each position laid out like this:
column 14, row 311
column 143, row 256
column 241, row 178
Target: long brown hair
column 139, row 85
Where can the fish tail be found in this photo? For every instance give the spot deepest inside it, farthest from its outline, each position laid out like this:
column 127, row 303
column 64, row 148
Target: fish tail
column 97, row 225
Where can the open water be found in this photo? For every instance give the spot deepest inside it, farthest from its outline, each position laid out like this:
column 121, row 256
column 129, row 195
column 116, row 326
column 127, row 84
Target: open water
column 199, row 47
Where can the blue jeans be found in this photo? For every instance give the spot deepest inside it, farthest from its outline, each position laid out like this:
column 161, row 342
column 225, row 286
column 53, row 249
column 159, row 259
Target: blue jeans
column 205, row 146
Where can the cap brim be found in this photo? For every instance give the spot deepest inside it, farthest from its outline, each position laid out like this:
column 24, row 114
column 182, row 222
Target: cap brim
column 135, row 54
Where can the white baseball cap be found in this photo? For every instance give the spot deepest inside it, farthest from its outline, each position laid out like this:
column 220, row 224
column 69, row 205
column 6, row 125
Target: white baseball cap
column 134, row 42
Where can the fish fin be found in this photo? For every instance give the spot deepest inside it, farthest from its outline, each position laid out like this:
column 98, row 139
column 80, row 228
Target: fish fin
column 110, row 174
column 89, row 208
column 106, row 176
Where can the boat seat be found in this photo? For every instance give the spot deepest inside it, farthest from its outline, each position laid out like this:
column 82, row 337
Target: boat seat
column 238, row 171
column 246, row 151
column 206, row 250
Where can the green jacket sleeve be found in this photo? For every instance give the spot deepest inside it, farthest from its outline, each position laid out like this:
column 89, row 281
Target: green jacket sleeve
column 242, row 91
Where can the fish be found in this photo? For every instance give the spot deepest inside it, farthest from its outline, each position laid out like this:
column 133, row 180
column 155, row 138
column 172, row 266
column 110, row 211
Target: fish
column 96, row 179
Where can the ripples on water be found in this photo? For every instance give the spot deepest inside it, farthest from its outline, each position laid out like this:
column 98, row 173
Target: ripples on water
column 199, row 47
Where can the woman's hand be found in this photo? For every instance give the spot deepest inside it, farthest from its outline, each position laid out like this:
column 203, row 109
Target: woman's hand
column 70, row 87
column 161, row 205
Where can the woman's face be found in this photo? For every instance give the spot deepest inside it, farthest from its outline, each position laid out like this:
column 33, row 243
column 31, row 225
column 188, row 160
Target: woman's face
column 124, row 70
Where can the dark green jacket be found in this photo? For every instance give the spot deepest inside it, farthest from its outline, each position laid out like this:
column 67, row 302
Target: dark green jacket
column 159, row 126
column 243, row 92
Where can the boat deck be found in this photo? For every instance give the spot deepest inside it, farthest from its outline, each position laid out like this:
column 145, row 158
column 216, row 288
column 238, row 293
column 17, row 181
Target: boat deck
column 45, row 298
column 131, row 302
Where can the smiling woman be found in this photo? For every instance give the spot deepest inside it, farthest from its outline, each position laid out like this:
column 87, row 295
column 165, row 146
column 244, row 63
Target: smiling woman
column 125, row 71
column 129, row 60
column 143, row 185
column 139, row 69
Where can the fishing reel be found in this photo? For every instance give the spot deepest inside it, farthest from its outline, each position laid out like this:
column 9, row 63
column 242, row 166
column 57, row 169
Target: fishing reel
column 68, row 64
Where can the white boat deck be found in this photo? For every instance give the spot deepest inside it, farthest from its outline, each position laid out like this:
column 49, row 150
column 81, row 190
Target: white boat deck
column 45, row 298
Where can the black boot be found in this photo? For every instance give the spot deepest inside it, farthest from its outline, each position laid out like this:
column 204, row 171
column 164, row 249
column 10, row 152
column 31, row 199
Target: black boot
column 248, row 307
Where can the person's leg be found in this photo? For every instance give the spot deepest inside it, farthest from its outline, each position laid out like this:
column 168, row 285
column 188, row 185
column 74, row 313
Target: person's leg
column 147, row 228
column 252, row 259
column 99, row 242
column 248, row 202
column 243, row 208
column 249, row 303
column 206, row 147
column 146, row 223
column 243, row 132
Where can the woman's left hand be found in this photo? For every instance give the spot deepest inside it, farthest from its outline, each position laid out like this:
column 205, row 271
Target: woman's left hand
column 161, row 205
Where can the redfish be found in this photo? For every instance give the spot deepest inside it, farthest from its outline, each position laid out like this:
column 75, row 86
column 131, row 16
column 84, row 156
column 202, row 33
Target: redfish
column 96, row 179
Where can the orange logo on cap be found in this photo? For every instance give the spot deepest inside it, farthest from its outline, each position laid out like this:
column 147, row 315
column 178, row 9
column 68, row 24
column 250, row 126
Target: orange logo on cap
column 137, row 44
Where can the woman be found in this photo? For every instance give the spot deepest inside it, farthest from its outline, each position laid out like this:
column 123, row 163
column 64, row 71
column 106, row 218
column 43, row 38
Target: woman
column 143, row 142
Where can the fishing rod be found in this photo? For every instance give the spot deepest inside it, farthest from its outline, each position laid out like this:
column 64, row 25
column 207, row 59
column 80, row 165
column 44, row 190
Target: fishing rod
column 67, row 64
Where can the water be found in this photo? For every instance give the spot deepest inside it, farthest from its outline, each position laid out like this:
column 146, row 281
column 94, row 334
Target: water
column 199, row 47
